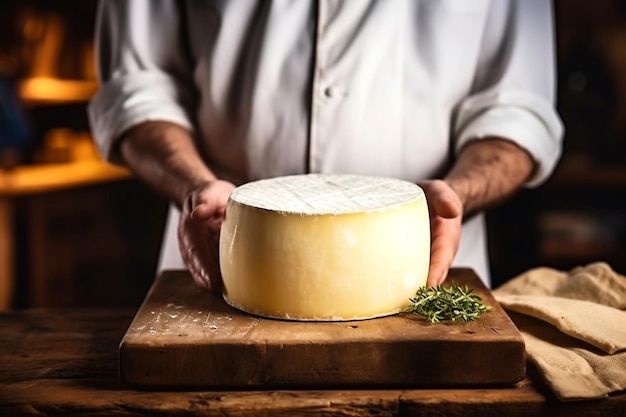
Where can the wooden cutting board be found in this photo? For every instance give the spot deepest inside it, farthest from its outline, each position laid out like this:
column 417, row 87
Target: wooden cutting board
column 183, row 336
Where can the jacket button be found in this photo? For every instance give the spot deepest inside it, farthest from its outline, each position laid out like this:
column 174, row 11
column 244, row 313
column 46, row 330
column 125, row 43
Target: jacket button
column 332, row 92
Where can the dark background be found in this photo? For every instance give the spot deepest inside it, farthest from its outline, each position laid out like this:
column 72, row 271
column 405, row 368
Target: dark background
column 97, row 245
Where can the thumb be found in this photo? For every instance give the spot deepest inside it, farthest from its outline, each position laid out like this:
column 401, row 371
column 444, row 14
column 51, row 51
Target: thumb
column 442, row 199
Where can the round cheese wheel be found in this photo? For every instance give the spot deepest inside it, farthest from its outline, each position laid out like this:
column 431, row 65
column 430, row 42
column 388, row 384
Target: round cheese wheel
column 324, row 247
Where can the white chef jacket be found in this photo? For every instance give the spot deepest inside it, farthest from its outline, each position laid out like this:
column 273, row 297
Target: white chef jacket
column 389, row 88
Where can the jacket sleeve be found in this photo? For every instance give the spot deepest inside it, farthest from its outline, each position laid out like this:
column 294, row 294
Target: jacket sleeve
column 514, row 86
column 144, row 71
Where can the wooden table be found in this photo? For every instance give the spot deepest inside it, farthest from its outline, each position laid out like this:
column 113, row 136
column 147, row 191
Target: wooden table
column 64, row 362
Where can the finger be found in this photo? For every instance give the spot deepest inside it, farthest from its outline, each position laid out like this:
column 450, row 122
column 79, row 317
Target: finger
column 189, row 253
column 444, row 244
column 205, row 274
column 210, row 203
column 200, row 277
column 447, row 205
column 208, row 218
column 437, row 273
column 198, row 255
column 204, row 210
column 212, row 220
column 443, row 200
column 439, row 267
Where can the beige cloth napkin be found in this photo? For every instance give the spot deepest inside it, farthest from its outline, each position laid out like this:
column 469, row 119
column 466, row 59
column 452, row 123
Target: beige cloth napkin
column 574, row 327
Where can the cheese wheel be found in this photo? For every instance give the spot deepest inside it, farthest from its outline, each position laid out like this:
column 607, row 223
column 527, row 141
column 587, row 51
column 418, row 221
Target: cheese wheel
column 324, row 247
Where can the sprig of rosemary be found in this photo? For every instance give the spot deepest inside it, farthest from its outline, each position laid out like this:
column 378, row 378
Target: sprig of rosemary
column 447, row 304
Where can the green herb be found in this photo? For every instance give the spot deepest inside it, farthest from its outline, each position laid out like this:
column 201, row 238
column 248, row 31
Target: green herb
column 454, row 303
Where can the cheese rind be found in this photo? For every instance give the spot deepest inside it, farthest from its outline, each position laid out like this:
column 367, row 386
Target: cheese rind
column 343, row 247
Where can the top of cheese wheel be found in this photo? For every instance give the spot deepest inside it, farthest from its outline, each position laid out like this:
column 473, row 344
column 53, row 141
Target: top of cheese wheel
column 318, row 194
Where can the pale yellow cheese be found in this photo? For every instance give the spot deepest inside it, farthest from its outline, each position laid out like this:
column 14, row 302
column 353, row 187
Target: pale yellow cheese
column 324, row 247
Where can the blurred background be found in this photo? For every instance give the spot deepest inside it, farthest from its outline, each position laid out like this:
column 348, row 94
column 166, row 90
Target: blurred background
column 76, row 231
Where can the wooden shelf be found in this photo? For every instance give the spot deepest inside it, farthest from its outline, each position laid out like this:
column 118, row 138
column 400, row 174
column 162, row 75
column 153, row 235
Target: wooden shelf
column 55, row 91
column 581, row 171
column 25, row 180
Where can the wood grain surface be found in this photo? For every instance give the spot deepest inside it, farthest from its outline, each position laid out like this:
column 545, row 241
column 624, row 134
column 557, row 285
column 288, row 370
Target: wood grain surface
column 57, row 362
column 183, row 336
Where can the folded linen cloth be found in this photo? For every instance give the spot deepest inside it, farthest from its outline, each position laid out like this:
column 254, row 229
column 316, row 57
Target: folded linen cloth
column 577, row 334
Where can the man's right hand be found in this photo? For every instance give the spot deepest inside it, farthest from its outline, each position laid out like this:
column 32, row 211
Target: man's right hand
column 199, row 229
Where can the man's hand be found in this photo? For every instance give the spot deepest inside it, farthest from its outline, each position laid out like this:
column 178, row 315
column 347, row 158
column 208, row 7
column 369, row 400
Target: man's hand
column 486, row 172
column 165, row 156
column 446, row 214
column 199, row 230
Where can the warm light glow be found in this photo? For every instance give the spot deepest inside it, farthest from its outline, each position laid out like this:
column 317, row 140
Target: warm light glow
column 50, row 89
column 25, row 180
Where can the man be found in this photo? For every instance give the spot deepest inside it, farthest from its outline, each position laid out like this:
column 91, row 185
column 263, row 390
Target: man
column 456, row 96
